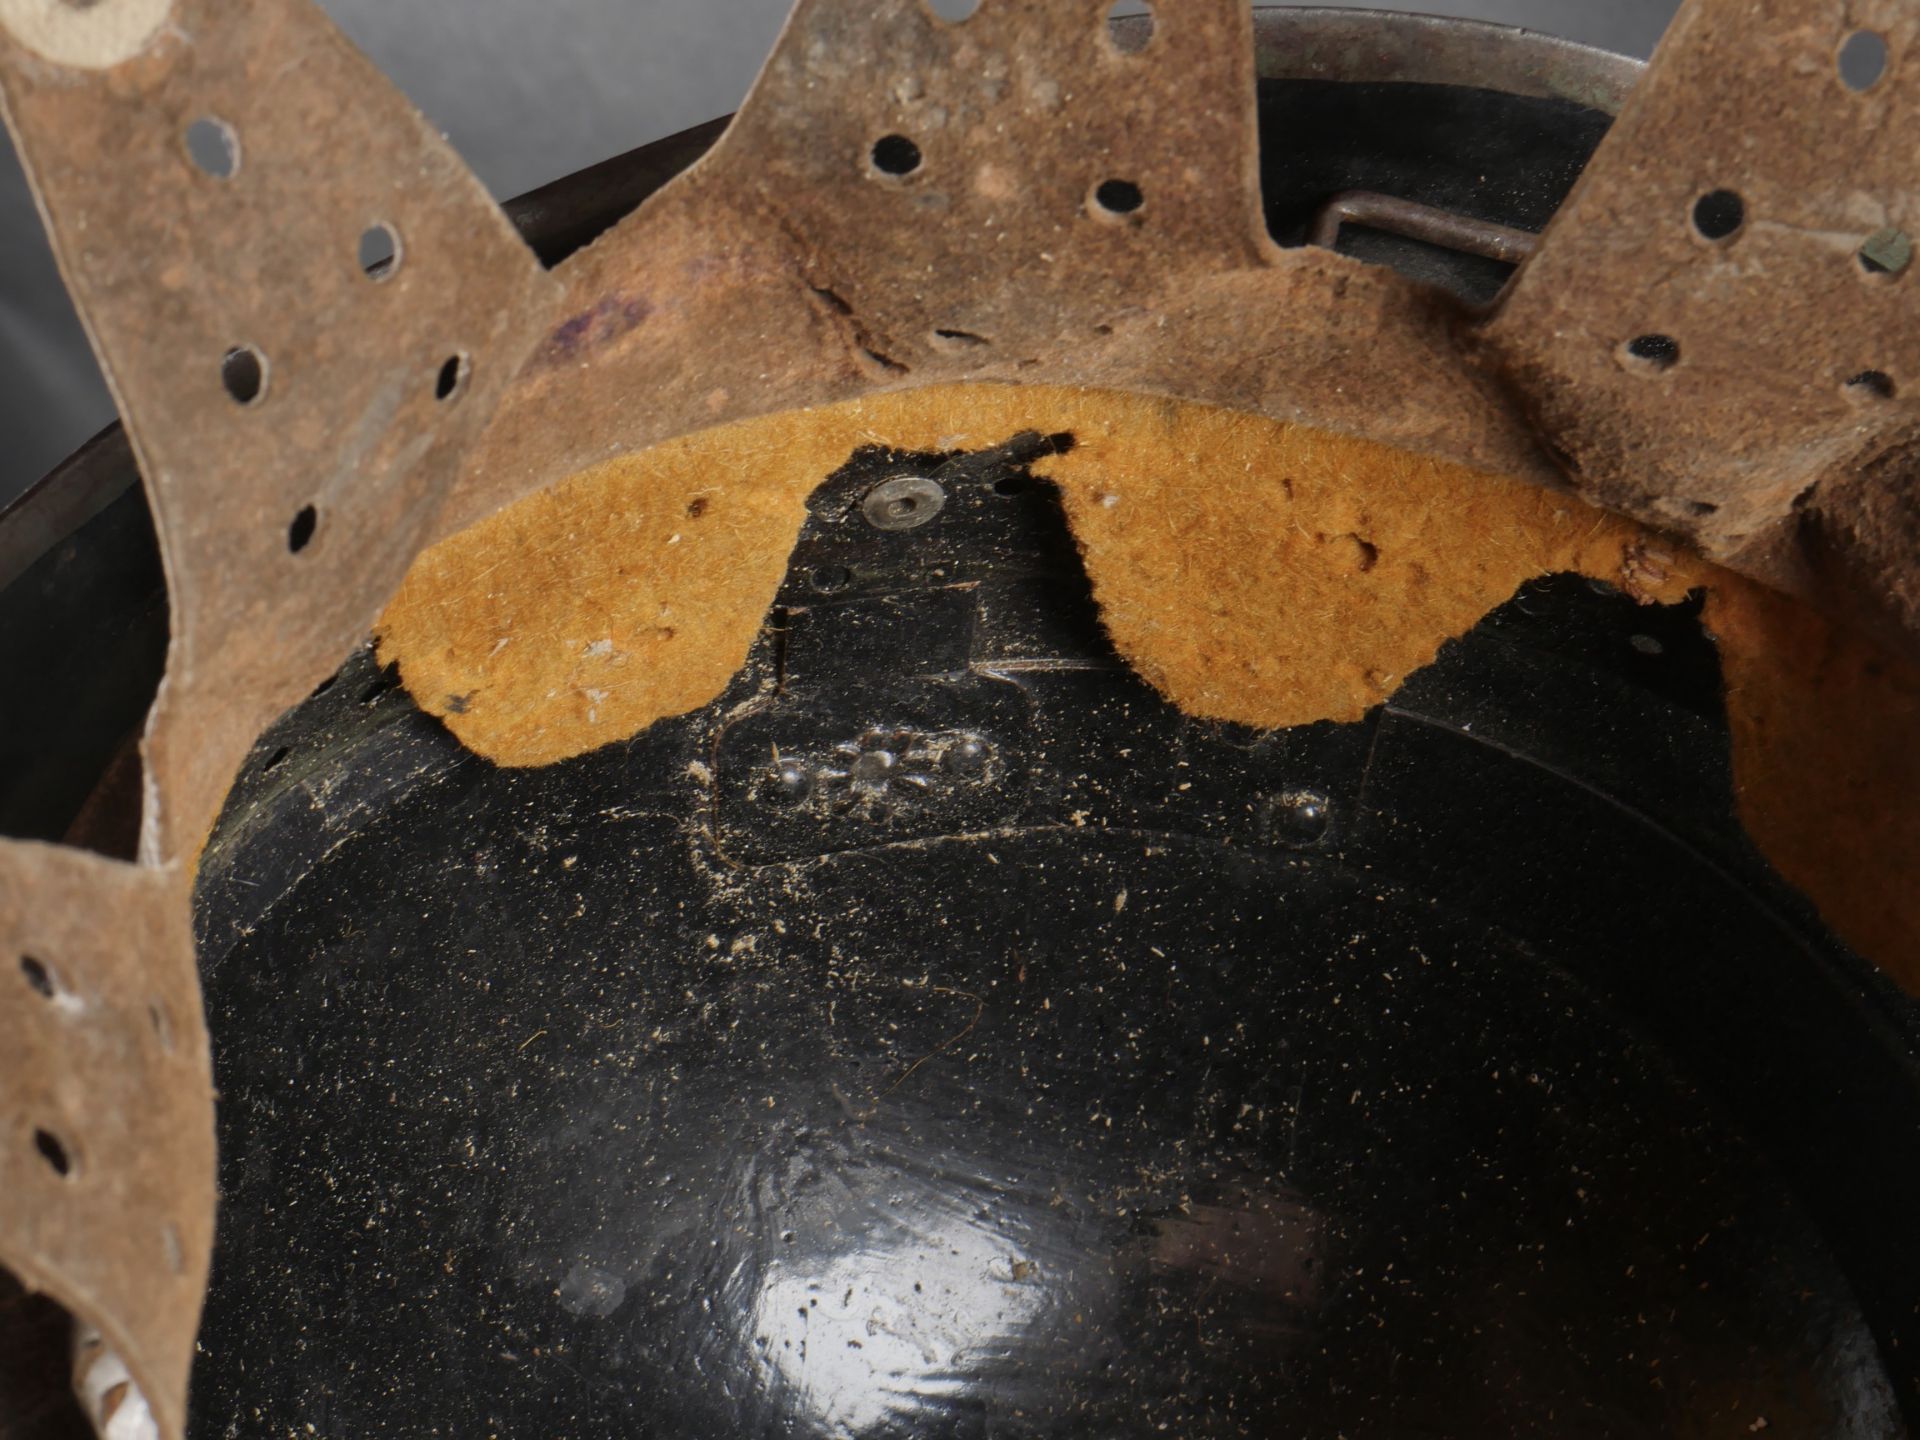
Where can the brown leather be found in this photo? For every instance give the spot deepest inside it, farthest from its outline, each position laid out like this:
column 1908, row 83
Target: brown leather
column 171, row 267
column 1754, row 425
column 788, row 270
column 106, row 1110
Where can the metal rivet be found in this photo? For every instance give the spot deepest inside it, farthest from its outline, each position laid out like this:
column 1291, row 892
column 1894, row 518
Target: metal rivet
column 903, row 503
column 966, row 757
column 1295, row 817
column 1886, row 252
column 792, row 783
column 1862, row 60
column 873, row 767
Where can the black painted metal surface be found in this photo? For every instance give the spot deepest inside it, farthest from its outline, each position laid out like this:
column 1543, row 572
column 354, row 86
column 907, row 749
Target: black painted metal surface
column 1477, row 153
column 83, row 642
column 940, row 1035
column 85, row 633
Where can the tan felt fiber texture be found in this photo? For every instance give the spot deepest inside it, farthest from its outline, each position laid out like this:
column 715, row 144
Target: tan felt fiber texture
column 1252, row 571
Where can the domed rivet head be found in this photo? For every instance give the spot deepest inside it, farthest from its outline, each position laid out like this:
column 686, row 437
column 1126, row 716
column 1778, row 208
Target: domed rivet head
column 903, row 503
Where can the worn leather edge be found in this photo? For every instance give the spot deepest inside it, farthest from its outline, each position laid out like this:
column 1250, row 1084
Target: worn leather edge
column 196, row 208
column 107, row 1055
column 1778, row 364
column 720, row 300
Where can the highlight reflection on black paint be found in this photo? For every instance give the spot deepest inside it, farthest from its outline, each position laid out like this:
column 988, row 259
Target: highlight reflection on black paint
column 1080, row 1091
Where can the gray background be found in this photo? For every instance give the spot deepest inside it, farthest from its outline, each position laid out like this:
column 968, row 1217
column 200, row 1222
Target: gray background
column 527, row 90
